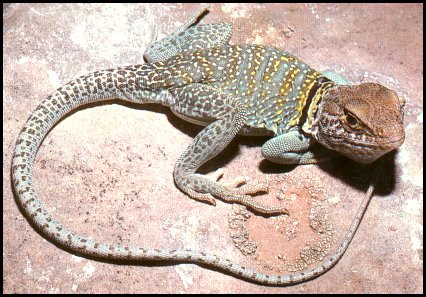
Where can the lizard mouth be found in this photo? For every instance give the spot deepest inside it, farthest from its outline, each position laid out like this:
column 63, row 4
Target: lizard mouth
column 371, row 142
column 366, row 152
column 397, row 140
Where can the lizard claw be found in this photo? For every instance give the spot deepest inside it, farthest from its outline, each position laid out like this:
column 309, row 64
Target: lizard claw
column 235, row 183
column 240, row 185
column 204, row 188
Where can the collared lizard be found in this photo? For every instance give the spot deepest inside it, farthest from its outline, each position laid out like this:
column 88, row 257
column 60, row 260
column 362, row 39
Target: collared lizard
column 230, row 89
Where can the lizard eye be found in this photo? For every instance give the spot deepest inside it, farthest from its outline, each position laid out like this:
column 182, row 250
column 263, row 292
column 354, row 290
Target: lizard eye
column 351, row 120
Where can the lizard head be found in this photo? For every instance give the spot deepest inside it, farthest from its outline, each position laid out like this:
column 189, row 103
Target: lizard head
column 362, row 122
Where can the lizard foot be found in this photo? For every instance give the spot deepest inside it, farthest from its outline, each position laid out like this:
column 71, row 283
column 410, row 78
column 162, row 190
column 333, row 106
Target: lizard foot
column 241, row 184
column 205, row 188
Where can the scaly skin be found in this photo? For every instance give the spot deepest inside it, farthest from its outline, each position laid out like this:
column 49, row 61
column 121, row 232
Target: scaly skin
column 246, row 89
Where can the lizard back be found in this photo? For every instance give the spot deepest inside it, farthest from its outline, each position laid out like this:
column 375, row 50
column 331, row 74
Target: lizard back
column 276, row 87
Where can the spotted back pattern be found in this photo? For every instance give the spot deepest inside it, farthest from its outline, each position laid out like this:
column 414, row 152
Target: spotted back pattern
column 232, row 89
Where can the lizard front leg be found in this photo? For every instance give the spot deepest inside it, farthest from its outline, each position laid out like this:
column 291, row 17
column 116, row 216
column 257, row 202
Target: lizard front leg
column 293, row 147
column 226, row 115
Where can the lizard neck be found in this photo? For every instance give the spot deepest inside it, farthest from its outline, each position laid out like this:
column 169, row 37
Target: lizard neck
column 309, row 116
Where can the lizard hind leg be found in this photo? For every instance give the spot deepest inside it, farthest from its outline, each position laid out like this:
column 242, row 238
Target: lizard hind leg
column 226, row 115
column 189, row 37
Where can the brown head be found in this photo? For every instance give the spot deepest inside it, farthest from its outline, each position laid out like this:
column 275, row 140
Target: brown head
column 362, row 122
